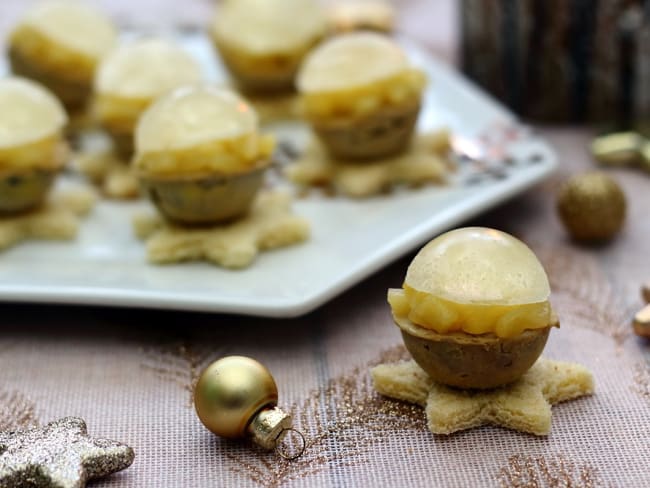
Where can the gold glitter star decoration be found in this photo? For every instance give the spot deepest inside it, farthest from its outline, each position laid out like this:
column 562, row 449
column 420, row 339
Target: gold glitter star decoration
column 524, row 405
column 425, row 161
column 57, row 219
column 59, row 455
column 269, row 224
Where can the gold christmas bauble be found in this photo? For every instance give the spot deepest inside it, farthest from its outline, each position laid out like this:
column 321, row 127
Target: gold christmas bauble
column 592, row 206
column 230, row 392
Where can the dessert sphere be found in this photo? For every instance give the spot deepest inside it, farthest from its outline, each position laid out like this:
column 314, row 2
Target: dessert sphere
column 479, row 266
column 361, row 95
column 60, row 43
column 200, row 155
column 474, row 309
column 32, row 146
column 263, row 42
column 132, row 77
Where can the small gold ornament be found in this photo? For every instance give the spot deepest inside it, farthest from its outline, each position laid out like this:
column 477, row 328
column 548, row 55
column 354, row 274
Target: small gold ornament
column 592, row 206
column 237, row 397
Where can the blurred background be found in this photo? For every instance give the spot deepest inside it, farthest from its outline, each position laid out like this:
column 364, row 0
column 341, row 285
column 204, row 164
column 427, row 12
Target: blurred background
column 412, row 15
column 555, row 61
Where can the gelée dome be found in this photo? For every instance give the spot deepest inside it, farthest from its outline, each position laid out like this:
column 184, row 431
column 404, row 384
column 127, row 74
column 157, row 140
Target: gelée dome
column 29, row 112
column 351, row 61
column 477, row 265
column 269, row 26
column 74, row 25
column 194, row 115
column 146, row 69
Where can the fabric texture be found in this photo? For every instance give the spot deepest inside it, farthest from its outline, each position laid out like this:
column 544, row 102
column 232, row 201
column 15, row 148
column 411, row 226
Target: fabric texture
column 129, row 373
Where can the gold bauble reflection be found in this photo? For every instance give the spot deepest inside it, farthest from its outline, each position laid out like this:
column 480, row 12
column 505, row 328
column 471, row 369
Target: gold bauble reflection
column 592, row 206
column 230, row 392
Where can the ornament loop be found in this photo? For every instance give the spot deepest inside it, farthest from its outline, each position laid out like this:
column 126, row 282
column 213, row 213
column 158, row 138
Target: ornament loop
column 282, row 450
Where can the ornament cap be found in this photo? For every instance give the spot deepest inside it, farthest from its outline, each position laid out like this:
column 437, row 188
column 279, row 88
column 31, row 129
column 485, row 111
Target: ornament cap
column 269, row 426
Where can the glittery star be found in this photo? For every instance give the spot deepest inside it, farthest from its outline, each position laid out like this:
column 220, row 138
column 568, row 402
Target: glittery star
column 59, row 455
column 524, row 405
column 269, row 225
column 425, row 161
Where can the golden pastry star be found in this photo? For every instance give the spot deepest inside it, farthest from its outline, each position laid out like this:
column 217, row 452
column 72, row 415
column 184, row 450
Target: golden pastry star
column 59, row 455
column 524, row 405
column 269, row 225
column 425, row 161
column 114, row 177
column 56, row 219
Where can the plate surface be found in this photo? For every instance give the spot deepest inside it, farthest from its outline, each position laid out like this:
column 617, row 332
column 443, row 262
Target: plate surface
column 350, row 238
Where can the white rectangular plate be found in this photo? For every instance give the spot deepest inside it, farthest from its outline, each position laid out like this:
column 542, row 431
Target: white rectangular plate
column 351, row 239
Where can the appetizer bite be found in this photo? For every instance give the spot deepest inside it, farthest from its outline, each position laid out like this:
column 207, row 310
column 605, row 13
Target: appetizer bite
column 59, row 44
column 200, row 156
column 361, row 95
column 131, row 77
column 352, row 15
column 263, row 42
column 474, row 309
column 32, row 145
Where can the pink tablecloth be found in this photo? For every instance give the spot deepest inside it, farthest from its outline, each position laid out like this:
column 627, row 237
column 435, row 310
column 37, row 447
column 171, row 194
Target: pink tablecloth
column 129, row 372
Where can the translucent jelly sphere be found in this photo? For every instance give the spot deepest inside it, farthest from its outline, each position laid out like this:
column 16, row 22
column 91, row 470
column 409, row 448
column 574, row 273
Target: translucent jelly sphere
column 351, row 61
column 270, row 27
column 28, row 112
column 194, row 115
column 146, row 69
column 477, row 265
column 73, row 24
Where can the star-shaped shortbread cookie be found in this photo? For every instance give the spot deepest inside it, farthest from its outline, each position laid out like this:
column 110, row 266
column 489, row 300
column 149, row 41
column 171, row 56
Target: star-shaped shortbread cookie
column 269, row 225
column 425, row 161
column 57, row 219
column 113, row 176
column 59, row 455
column 524, row 405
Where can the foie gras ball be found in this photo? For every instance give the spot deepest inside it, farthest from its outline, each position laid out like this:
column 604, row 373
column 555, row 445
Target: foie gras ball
column 263, row 42
column 200, row 155
column 59, row 43
column 474, row 309
column 132, row 77
column 32, row 147
column 361, row 95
